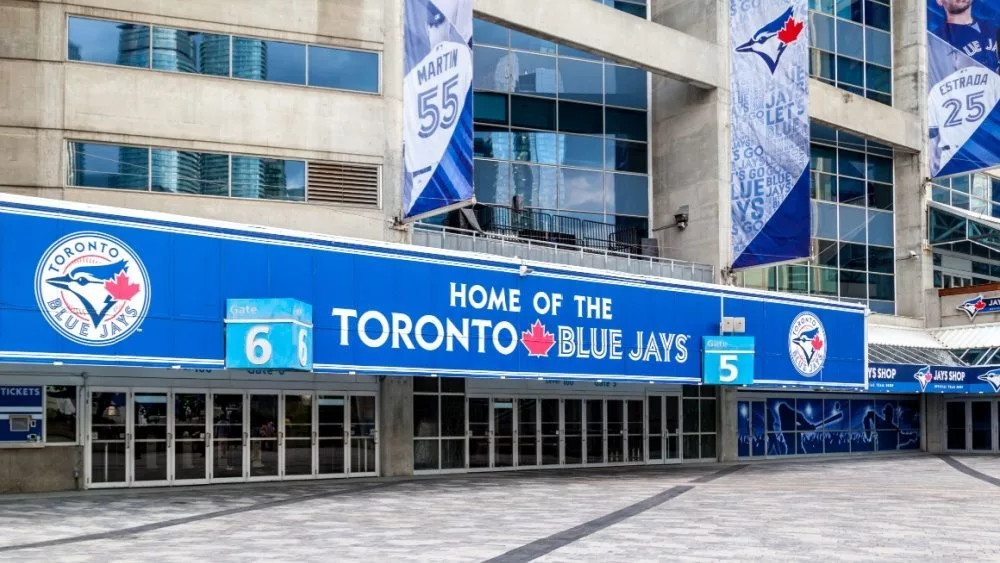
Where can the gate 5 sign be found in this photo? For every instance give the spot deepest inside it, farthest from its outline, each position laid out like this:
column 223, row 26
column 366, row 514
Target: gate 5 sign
column 268, row 334
column 728, row 360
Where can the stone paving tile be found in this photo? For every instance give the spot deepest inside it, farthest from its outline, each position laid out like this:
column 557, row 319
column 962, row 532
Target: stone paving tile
column 915, row 508
column 989, row 465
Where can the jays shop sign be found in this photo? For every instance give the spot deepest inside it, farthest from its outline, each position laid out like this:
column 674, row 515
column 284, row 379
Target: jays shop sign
column 902, row 378
column 116, row 287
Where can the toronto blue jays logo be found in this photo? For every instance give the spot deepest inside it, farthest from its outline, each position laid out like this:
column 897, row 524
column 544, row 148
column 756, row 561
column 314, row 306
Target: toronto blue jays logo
column 771, row 41
column 976, row 305
column 993, row 378
column 92, row 288
column 807, row 344
column 924, row 376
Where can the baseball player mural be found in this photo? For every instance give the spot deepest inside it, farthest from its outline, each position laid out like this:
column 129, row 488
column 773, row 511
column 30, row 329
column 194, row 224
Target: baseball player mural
column 964, row 85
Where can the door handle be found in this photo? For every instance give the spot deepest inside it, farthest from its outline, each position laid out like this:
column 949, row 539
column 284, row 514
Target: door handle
column 170, row 439
column 208, row 439
column 314, row 438
column 281, row 438
column 128, row 440
column 245, row 437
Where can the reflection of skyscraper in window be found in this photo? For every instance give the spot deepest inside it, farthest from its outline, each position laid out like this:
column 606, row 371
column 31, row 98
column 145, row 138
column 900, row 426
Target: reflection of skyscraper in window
column 133, row 168
column 74, row 51
column 174, row 49
column 214, row 51
column 176, row 171
column 249, row 58
column 133, row 45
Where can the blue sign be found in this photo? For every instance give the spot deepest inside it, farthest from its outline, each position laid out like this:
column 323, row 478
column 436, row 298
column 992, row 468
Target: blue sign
column 437, row 105
column 268, row 334
column 902, row 378
column 22, row 413
column 977, row 305
column 404, row 310
column 769, row 117
column 728, row 360
column 963, row 86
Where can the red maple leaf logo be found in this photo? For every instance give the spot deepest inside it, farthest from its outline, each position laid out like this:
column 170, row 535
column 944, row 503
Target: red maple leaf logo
column 817, row 343
column 538, row 341
column 980, row 305
column 790, row 32
column 121, row 289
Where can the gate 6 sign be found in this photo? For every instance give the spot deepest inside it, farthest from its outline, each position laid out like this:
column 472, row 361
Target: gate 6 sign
column 728, row 360
column 269, row 334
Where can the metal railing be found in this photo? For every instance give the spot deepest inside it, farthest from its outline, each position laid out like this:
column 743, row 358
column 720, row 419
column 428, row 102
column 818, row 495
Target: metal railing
column 500, row 244
column 536, row 225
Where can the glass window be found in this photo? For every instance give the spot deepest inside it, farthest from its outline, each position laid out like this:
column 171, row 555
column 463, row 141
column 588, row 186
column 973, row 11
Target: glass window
column 627, row 194
column 489, row 33
column 880, row 259
column 852, row 224
column 851, row 72
column 853, row 284
column 824, row 186
column 878, row 78
column 581, row 81
column 580, row 118
column 190, row 51
column 108, row 42
column 852, row 191
column 851, row 163
column 823, row 158
column 343, row 68
column 880, row 195
column 827, row 255
column 625, row 86
column 853, row 257
column 878, row 47
column 491, row 69
column 532, row 113
column 527, row 42
column 537, row 147
column 823, row 65
column 95, row 165
column 425, row 415
column 826, row 220
column 880, row 169
column 881, row 287
column 825, row 6
column 60, row 414
column 490, row 108
column 877, row 15
column 627, row 156
column 536, row 74
column 273, row 61
column 268, row 178
column 821, row 32
column 850, row 39
column 186, row 172
column 565, row 51
column 580, row 150
column 581, row 190
column 537, row 185
column 626, row 124
column 824, row 281
column 850, row 9
column 879, row 227
column 492, row 181
column 492, row 142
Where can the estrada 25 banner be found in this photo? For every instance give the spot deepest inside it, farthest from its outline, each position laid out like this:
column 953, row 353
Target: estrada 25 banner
column 437, row 105
column 770, row 129
column 964, row 86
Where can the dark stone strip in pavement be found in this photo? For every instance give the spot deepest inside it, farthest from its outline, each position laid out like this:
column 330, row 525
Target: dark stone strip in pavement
column 112, row 534
column 718, row 474
column 970, row 471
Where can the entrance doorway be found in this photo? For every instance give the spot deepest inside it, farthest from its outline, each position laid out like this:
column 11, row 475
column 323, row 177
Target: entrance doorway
column 971, row 425
column 663, row 424
column 146, row 437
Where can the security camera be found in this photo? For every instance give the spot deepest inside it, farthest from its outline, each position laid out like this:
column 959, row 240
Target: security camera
column 681, row 219
column 913, row 254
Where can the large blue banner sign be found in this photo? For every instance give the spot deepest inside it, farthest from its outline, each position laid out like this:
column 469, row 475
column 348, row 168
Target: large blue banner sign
column 902, row 378
column 770, row 132
column 963, row 85
column 132, row 288
column 437, row 105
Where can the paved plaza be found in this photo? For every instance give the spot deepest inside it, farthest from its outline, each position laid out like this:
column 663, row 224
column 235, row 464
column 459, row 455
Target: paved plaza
column 915, row 508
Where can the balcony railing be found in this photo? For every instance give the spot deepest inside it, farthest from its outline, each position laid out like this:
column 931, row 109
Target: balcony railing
column 535, row 225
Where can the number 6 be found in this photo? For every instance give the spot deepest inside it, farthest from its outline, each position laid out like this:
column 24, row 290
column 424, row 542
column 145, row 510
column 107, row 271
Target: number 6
column 256, row 339
column 303, row 348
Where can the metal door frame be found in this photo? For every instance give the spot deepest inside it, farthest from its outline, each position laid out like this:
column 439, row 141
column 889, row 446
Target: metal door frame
column 244, row 440
column 169, row 478
column 344, row 435
column 348, row 448
column 207, row 437
column 283, row 435
column 664, row 434
column 89, row 437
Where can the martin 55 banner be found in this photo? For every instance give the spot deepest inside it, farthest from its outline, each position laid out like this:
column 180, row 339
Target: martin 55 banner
column 437, row 106
column 963, row 84
column 89, row 285
column 770, row 132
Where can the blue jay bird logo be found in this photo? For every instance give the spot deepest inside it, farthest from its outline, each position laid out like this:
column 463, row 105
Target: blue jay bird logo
column 974, row 306
column 993, row 378
column 771, row 41
column 807, row 344
column 924, row 376
column 92, row 288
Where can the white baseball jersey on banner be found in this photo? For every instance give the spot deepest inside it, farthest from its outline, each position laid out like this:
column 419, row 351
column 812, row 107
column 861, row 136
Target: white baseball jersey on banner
column 957, row 105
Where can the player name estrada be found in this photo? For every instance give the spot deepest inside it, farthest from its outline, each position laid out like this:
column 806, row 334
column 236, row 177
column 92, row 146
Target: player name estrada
column 964, row 81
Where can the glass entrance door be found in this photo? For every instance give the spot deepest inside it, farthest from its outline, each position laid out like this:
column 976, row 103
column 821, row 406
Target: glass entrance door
column 479, row 432
column 297, row 456
column 550, row 431
column 573, row 442
column 527, row 432
column 503, row 432
column 595, row 431
column 264, row 438
column 228, row 437
column 364, row 438
column 672, row 426
column 616, row 430
column 955, row 419
column 190, row 437
column 634, row 446
column 662, row 418
column 150, row 447
column 109, row 439
column 981, row 413
column 331, row 434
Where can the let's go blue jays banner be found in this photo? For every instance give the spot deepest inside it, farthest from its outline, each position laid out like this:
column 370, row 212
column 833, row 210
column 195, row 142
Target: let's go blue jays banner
column 963, row 85
column 437, row 105
column 902, row 378
column 97, row 285
column 770, row 131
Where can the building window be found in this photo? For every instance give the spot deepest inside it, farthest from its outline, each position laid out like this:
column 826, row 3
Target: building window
column 161, row 48
column 564, row 130
column 698, row 422
column 438, row 423
column 853, row 230
column 851, row 46
column 98, row 165
column 60, row 414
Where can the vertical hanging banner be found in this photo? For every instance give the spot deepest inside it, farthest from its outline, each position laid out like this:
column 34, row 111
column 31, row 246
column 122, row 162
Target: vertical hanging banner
column 769, row 117
column 963, row 85
column 437, row 106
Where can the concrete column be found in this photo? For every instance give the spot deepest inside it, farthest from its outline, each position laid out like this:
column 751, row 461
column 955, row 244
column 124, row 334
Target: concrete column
column 728, row 436
column 396, row 426
column 932, row 430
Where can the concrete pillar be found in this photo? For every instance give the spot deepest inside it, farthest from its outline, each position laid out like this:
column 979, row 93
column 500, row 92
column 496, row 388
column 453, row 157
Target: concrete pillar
column 932, row 430
column 396, row 426
column 728, row 436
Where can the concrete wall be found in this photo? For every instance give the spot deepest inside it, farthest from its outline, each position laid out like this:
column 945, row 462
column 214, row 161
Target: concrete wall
column 396, row 426
column 933, row 439
column 30, row 470
column 45, row 101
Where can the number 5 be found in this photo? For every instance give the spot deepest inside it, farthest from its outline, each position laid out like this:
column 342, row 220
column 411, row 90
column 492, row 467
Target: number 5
column 256, row 338
column 726, row 363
